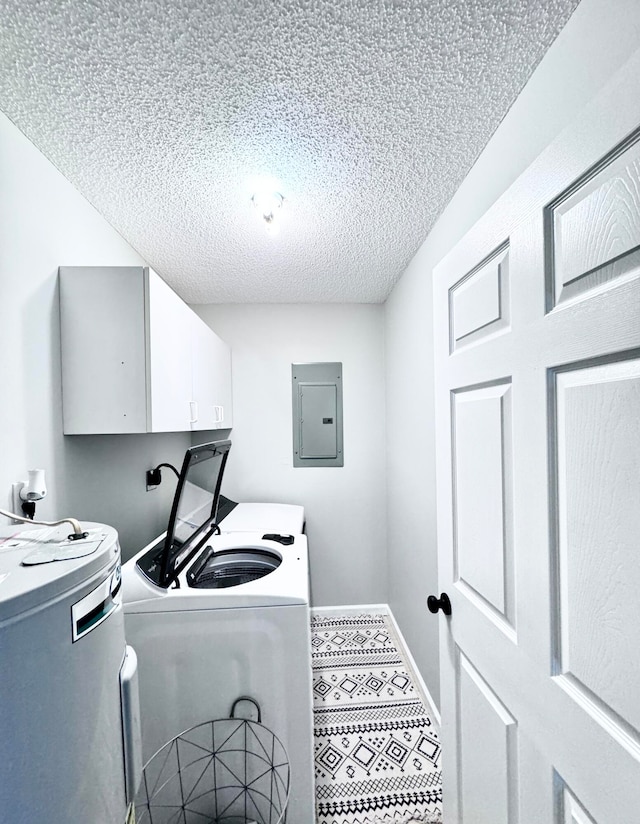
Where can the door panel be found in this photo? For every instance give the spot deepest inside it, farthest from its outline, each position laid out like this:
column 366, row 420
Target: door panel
column 479, row 303
column 594, row 226
column 537, row 350
column 597, row 571
column 571, row 810
column 482, row 498
column 489, row 784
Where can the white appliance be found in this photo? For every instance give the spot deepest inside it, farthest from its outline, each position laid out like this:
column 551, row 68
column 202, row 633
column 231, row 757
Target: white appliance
column 227, row 619
column 69, row 720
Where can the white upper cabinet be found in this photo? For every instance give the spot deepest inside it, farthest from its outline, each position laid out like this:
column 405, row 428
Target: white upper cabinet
column 136, row 358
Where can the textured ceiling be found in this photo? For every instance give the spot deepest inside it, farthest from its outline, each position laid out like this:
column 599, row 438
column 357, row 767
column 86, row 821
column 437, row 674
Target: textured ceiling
column 368, row 113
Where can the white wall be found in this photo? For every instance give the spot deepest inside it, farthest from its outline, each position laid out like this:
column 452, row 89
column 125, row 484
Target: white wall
column 599, row 39
column 45, row 223
column 345, row 507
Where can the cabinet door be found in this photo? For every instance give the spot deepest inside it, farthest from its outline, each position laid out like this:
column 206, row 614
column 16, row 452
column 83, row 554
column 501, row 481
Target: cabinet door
column 203, row 375
column 222, row 372
column 103, row 350
column 168, row 358
column 211, row 358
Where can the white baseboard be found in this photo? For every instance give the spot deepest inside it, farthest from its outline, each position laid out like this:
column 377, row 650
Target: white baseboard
column 385, row 609
column 351, row 609
column 421, row 684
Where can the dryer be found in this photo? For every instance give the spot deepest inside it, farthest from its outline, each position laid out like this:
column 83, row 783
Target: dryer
column 229, row 618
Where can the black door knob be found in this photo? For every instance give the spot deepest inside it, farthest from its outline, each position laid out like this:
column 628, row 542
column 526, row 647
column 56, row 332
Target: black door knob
column 443, row 603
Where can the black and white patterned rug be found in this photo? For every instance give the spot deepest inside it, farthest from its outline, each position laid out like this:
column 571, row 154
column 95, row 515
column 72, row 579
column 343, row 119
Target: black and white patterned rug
column 377, row 750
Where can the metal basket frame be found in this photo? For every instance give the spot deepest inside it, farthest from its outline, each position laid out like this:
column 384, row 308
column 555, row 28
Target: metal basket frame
column 257, row 753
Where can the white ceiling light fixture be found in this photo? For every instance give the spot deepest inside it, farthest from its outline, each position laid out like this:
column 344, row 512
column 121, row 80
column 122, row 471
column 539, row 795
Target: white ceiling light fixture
column 268, row 203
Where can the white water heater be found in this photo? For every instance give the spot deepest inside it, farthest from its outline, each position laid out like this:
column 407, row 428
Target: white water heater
column 69, row 719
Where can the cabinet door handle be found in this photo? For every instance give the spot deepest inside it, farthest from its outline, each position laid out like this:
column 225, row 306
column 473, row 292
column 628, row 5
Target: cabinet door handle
column 193, row 406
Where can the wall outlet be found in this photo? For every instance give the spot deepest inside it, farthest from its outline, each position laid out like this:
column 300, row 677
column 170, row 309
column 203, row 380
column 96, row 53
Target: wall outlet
column 153, row 478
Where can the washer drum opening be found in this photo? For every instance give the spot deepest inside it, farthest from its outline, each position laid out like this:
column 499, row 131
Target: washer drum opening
column 232, row 567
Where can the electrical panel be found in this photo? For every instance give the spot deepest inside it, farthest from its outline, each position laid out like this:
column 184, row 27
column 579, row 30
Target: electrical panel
column 317, row 414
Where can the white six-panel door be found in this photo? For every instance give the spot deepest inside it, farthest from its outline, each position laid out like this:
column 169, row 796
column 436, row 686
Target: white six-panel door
column 537, row 319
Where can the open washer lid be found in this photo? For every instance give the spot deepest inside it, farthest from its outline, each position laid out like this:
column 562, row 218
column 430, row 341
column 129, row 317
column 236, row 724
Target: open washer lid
column 195, row 506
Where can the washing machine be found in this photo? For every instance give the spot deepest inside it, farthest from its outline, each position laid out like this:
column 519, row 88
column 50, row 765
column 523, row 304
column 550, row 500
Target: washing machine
column 215, row 615
column 69, row 723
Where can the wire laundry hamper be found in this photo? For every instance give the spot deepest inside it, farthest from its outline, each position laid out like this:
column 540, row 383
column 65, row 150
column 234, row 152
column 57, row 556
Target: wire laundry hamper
column 227, row 771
